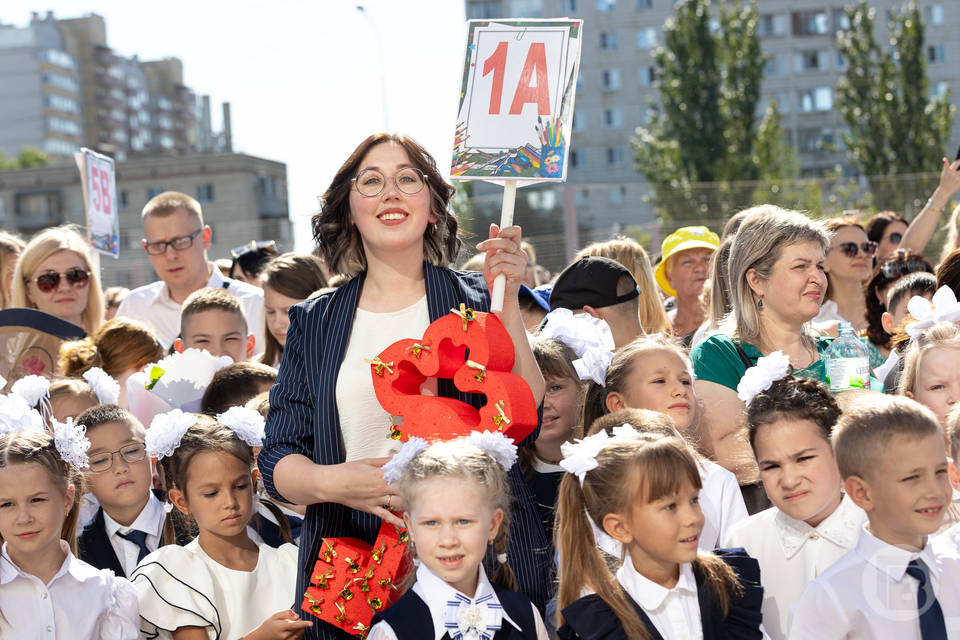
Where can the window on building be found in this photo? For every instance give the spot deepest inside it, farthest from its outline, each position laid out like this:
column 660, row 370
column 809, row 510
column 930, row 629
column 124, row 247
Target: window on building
column 933, row 14
column 647, row 38
column 939, row 90
column 810, row 23
column 936, row 53
column 61, row 103
column 644, row 4
column 525, row 8
column 608, row 40
column 153, row 192
column 612, row 118
column 582, row 197
column 569, row 6
column 122, row 199
column 59, row 58
column 617, row 194
column 205, row 192
column 841, row 21
column 818, row 99
column 578, row 159
column 56, row 146
column 579, row 81
column 646, row 76
column 614, row 156
column 578, row 119
column 483, row 9
column 815, row 140
column 811, row 60
column 606, row 5
column 771, row 24
column 611, row 79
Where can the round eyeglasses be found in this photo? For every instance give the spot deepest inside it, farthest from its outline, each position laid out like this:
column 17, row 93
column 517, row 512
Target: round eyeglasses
column 133, row 452
column 371, row 182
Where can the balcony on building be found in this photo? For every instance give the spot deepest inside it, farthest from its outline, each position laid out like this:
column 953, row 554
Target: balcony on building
column 38, row 208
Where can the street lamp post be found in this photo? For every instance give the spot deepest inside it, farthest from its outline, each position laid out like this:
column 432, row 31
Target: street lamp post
column 383, row 71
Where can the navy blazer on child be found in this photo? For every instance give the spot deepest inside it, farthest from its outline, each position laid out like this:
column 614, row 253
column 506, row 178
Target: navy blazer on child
column 590, row 618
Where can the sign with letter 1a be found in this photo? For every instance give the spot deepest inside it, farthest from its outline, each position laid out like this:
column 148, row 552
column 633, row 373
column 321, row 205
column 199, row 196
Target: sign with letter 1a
column 516, row 100
column 98, row 180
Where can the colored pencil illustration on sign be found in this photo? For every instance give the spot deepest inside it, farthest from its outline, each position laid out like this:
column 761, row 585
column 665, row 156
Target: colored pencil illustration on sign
column 516, row 100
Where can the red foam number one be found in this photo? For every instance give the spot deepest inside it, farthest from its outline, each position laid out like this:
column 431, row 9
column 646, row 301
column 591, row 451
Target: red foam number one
column 535, row 66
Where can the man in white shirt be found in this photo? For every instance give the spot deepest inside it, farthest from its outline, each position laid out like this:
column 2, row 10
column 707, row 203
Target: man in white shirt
column 176, row 242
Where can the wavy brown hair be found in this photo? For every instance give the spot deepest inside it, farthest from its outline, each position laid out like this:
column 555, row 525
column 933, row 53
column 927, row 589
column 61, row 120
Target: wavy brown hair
column 339, row 242
column 119, row 345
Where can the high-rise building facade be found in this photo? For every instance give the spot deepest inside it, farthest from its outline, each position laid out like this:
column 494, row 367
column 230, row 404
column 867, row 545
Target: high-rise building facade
column 617, row 74
column 63, row 87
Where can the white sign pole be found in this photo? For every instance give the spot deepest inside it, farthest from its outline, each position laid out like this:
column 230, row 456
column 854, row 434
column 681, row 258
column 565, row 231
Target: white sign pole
column 506, row 220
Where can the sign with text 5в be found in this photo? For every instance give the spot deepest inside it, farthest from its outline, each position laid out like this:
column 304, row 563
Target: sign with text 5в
column 516, row 100
column 98, row 180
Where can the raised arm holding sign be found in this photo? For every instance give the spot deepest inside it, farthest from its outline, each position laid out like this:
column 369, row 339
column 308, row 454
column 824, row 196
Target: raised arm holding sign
column 516, row 107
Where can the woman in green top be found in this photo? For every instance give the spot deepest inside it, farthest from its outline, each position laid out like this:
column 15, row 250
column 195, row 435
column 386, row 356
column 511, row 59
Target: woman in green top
column 776, row 283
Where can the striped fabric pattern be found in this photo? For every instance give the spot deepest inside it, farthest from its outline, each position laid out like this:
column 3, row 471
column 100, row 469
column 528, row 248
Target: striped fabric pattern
column 303, row 420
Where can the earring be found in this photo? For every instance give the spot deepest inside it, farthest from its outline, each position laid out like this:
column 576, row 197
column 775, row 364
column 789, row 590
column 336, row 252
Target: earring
column 760, row 303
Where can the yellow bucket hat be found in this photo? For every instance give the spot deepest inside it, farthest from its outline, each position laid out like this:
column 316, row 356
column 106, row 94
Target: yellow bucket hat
column 682, row 239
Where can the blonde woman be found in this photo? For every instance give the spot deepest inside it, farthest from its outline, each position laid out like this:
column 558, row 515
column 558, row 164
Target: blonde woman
column 629, row 253
column 54, row 274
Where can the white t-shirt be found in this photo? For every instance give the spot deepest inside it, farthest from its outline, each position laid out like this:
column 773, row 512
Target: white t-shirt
column 363, row 422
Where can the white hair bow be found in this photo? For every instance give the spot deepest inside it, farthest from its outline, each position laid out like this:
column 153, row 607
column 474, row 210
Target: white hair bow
column 71, row 442
column 496, row 445
column 943, row 308
column 580, row 456
column 590, row 338
column 36, row 391
column 166, row 431
column 758, row 378
column 103, row 384
column 246, row 423
column 16, row 415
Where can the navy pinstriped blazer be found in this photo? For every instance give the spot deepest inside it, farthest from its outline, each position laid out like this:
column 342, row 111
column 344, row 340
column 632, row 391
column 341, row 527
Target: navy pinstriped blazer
column 303, row 420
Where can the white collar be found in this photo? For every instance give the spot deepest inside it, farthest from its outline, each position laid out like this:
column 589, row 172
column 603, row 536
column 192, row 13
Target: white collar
column 436, row 593
column 647, row 593
column 149, row 520
column 9, row 569
column 891, row 559
column 842, row 527
column 542, row 466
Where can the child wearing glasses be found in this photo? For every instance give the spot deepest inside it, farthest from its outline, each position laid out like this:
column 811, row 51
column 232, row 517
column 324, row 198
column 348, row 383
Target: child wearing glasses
column 131, row 521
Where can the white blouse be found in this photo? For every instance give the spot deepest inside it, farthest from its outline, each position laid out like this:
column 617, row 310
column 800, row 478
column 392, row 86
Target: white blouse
column 721, row 502
column 791, row 553
column 184, row 587
column 363, row 422
column 674, row 612
column 80, row 601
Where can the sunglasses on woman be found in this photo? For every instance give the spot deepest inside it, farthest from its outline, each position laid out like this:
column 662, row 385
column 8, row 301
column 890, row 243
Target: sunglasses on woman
column 895, row 237
column 850, row 249
column 76, row 277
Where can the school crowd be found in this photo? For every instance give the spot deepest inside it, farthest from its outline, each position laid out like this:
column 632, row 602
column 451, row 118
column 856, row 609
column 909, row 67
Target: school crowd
column 695, row 473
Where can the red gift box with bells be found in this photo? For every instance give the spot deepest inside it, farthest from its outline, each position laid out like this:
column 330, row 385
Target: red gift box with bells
column 352, row 580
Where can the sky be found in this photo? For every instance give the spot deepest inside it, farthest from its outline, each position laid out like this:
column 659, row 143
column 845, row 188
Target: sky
column 303, row 77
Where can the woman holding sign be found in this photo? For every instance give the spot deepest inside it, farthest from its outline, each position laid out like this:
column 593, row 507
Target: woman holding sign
column 386, row 221
column 54, row 275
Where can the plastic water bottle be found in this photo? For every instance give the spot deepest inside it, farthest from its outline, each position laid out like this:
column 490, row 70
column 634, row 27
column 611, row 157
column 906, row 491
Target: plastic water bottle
column 847, row 362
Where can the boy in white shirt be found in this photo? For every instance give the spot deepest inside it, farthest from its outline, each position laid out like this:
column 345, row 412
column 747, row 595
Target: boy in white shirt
column 892, row 584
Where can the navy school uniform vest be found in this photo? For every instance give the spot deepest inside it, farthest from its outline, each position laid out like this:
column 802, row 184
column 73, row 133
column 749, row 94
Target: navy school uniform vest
column 410, row 617
column 590, row 618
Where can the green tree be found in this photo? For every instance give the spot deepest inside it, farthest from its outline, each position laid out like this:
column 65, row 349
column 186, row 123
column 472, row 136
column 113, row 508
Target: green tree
column 709, row 79
column 28, row 158
column 894, row 126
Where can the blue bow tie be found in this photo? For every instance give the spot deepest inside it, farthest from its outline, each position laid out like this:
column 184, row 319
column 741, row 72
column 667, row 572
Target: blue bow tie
column 467, row 619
